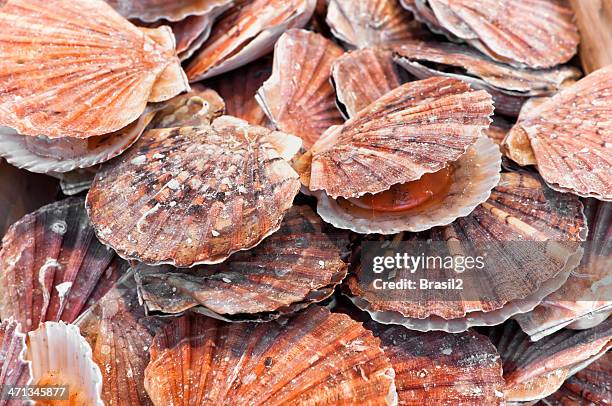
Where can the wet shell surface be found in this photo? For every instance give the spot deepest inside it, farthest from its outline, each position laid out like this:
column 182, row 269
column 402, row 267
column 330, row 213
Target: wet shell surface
column 584, row 300
column 371, row 23
column 195, row 195
column 58, row 355
column 45, row 155
column 509, row 86
column 52, row 266
column 361, row 77
column 535, row 33
column 534, row 370
column 317, row 357
column 521, row 208
column 442, row 368
column 120, row 335
column 153, row 10
column 298, row 97
column 571, row 137
column 12, row 355
column 76, row 49
column 239, row 87
column 245, row 33
column 415, row 129
column 299, row 264
column 200, row 105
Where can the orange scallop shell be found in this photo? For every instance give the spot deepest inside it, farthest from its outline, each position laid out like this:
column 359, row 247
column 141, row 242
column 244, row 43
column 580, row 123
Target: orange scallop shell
column 153, row 10
column 298, row 97
column 78, row 69
column 317, row 357
column 571, row 137
column 415, row 129
column 52, row 266
column 195, row 195
column 299, row 264
column 13, row 365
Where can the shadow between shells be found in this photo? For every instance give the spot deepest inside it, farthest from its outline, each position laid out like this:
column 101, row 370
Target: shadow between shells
column 227, row 167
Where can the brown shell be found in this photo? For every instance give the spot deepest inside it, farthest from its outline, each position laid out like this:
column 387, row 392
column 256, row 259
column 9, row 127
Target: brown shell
column 76, row 49
column 13, row 365
column 317, row 357
column 589, row 386
column 362, row 76
column 584, row 300
column 571, row 137
column 415, row 129
column 509, row 86
column 521, row 208
column 440, row 368
column 239, row 87
column 298, row 97
column 153, row 10
column 534, row 370
column 52, row 266
column 120, row 335
column 248, row 31
column 535, row 33
column 200, row 105
column 371, row 23
column 194, row 195
column 299, row 264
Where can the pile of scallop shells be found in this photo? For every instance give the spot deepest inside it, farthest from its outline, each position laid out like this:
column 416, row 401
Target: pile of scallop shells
column 197, row 177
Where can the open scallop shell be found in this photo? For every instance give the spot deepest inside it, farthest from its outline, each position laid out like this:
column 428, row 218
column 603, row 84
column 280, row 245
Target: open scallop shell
column 52, row 266
column 509, row 86
column 95, row 72
column 371, row 23
column 521, row 208
column 298, row 97
column 200, row 105
column 441, row 368
column 476, row 174
column 239, row 87
column 195, row 195
column 534, row 370
column 58, row 355
column 415, row 129
column 12, row 356
column 317, row 357
column 245, row 33
column 47, row 155
column 299, row 264
column 120, row 335
column 535, row 33
column 570, row 137
column 176, row 10
column 361, row 77
column 584, row 300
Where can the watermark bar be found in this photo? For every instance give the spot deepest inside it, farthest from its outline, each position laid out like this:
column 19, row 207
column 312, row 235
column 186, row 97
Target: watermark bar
column 34, row 392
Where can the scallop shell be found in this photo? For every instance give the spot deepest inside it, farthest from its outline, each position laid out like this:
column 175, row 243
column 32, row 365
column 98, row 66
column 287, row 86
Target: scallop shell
column 298, row 97
column 361, row 77
column 299, row 264
column 120, row 335
column 77, row 181
column 571, row 136
column 584, row 300
column 476, row 174
column 520, row 208
column 509, row 86
column 12, row 356
column 153, row 10
column 52, row 266
column 239, row 87
column 200, row 105
column 534, row 370
column 440, row 368
column 195, row 195
column 58, row 355
column 317, row 357
column 78, row 47
column 516, row 145
column 415, row 129
column 535, row 33
column 371, row 23
column 46, row 155
column 246, row 33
